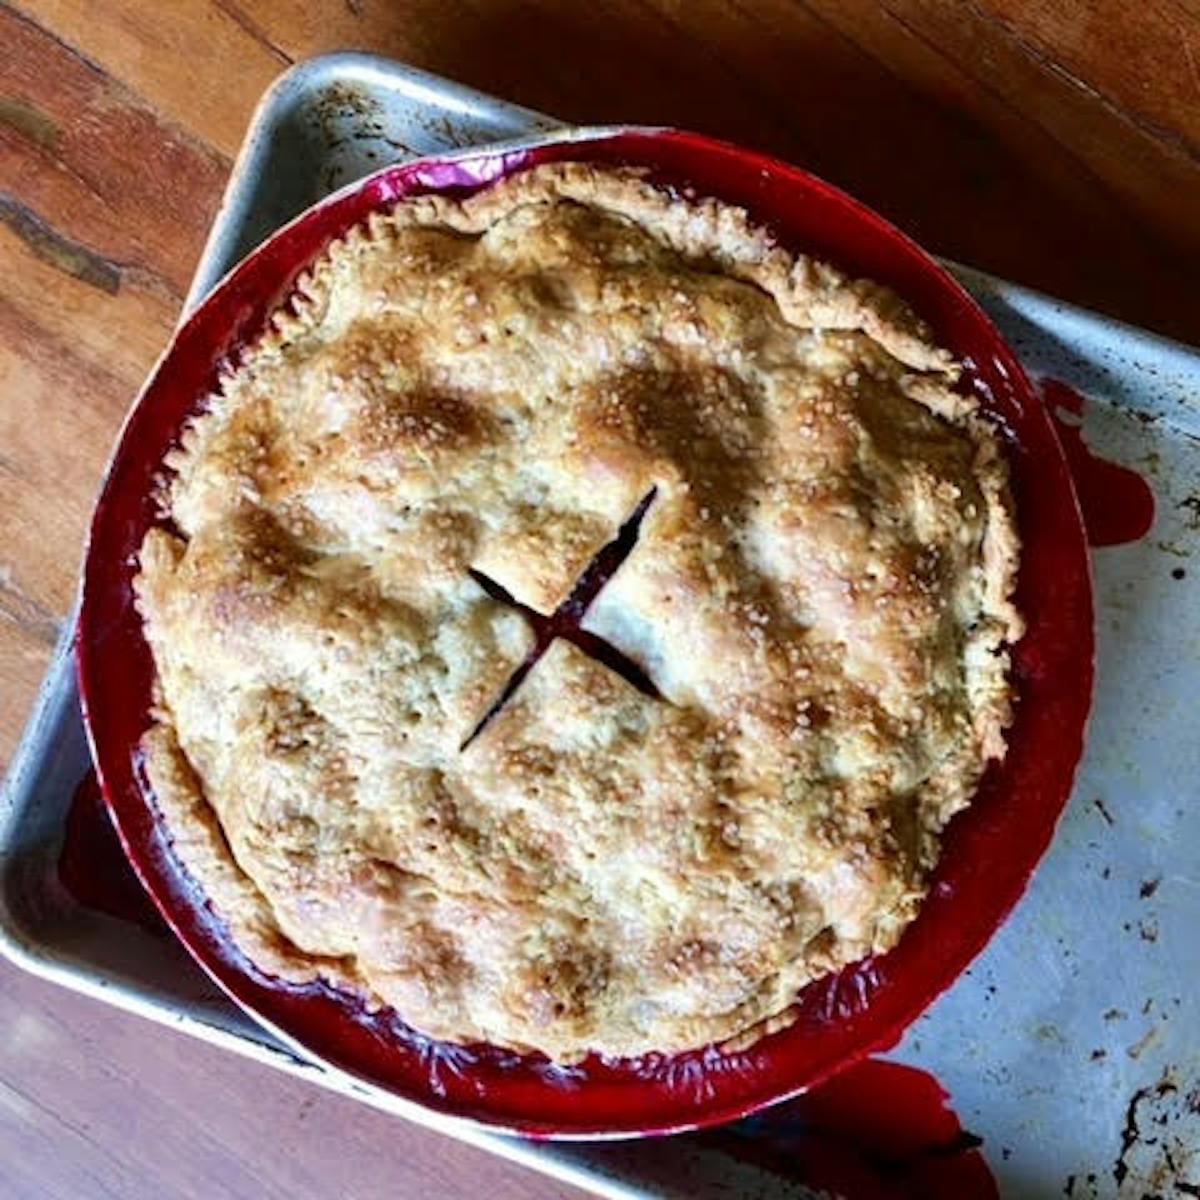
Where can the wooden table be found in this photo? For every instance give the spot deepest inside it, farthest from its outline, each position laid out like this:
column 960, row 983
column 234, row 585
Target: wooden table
column 1051, row 141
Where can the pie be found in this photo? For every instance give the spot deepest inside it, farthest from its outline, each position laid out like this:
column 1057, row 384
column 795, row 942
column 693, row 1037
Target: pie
column 576, row 620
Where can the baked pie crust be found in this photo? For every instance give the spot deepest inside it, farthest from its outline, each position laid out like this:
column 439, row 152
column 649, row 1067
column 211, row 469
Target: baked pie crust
column 462, row 405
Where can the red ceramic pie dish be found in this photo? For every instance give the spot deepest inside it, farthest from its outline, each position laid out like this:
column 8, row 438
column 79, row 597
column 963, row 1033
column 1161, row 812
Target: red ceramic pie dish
column 990, row 850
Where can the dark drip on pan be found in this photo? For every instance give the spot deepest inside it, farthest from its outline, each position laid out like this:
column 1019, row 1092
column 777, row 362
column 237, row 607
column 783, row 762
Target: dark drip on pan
column 92, row 866
column 1117, row 503
column 877, row 1131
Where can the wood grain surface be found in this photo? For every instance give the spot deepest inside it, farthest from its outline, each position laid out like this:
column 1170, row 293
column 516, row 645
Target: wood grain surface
column 1052, row 141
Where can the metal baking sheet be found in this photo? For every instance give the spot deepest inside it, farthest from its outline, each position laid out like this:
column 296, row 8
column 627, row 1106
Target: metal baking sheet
column 1070, row 1046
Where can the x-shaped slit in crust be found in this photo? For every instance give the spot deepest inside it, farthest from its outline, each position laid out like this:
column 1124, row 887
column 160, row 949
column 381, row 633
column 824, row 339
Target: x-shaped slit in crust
column 566, row 620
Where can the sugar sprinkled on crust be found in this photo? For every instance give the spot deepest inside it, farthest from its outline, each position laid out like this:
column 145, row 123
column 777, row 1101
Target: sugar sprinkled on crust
column 821, row 592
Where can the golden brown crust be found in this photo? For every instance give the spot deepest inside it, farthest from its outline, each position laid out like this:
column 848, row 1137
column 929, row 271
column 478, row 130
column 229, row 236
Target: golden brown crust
column 820, row 592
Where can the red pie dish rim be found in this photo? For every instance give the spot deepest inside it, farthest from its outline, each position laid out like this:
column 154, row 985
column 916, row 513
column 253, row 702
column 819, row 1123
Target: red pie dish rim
column 990, row 850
